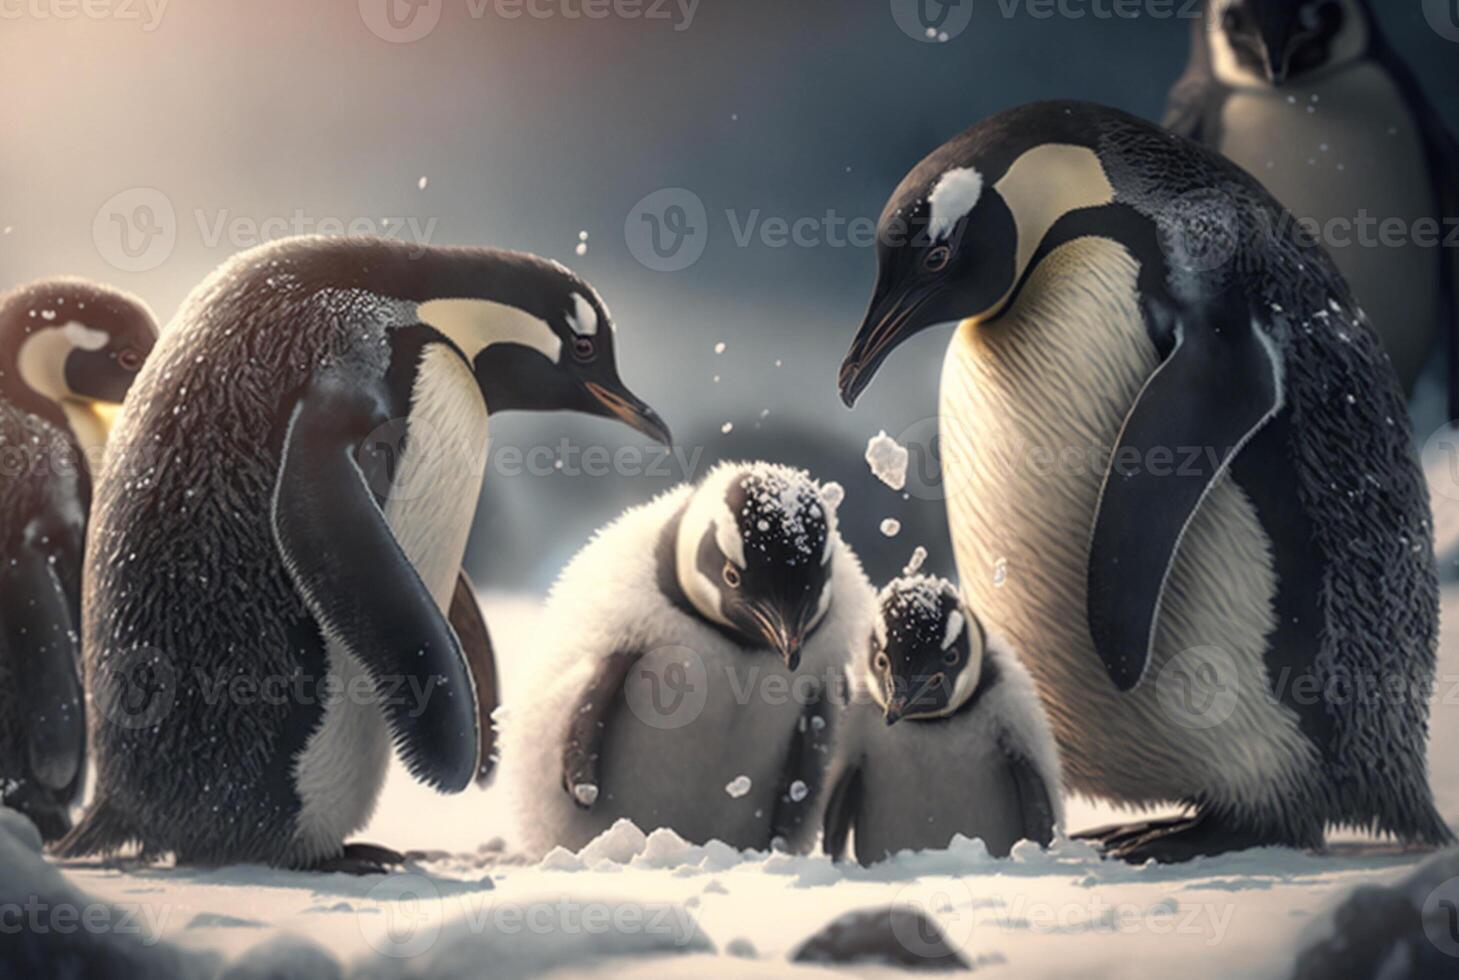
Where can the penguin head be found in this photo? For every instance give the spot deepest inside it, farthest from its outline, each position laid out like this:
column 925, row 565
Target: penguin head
column 754, row 553
column 538, row 337
column 926, row 651
column 961, row 229
column 75, row 341
column 1276, row 41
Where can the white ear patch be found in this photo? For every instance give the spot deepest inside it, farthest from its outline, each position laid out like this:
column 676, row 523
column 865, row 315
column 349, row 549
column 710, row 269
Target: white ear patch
column 954, row 629
column 727, row 536
column 84, row 337
column 476, row 324
column 583, row 319
column 957, row 193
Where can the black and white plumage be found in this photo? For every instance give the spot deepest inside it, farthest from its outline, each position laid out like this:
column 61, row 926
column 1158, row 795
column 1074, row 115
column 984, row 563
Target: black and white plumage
column 69, row 350
column 943, row 735
column 1310, row 97
column 274, row 589
column 1174, row 451
column 694, row 643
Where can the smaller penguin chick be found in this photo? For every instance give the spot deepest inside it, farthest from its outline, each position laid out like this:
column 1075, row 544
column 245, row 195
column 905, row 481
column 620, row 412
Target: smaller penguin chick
column 927, row 654
column 945, row 735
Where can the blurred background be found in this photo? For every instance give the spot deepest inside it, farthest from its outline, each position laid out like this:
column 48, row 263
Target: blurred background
column 147, row 140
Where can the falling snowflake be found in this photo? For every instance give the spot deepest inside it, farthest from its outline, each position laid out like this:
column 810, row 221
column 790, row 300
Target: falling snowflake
column 738, row 787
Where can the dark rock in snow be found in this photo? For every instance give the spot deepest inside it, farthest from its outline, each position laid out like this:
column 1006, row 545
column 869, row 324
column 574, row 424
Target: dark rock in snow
column 1409, row 931
column 285, row 958
column 890, row 935
column 65, row 934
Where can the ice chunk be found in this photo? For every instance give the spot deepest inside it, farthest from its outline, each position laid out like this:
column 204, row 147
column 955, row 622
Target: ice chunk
column 891, row 527
column 919, row 555
column 798, row 791
column 888, row 460
column 738, row 787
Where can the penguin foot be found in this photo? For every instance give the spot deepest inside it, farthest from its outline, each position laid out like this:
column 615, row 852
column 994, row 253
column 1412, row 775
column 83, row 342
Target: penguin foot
column 1118, row 833
column 1189, row 838
column 360, row 860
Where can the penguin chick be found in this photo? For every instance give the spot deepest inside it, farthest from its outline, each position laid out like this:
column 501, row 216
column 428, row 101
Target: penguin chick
column 686, row 685
column 280, row 602
column 944, row 735
column 69, row 351
column 1311, row 97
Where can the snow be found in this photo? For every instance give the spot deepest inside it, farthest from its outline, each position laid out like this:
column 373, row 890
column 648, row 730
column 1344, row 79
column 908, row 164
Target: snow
column 738, row 787
column 891, row 527
column 956, row 194
column 914, row 564
column 469, row 908
column 954, row 629
column 888, row 460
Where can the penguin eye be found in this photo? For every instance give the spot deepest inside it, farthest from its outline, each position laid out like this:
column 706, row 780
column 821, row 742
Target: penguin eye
column 882, row 663
column 951, row 658
column 731, row 575
column 130, row 359
column 583, row 349
column 937, row 259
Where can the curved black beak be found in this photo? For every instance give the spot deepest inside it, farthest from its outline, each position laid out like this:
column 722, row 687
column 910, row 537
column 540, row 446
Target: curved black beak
column 894, row 711
column 631, row 410
column 891, row 320
column 778, row 633
column 1276, row 32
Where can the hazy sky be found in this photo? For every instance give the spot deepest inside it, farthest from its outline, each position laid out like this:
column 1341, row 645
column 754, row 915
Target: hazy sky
column 202, row 125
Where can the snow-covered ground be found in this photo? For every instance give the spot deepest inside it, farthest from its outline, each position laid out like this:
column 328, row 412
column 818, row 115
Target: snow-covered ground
column 658, row 907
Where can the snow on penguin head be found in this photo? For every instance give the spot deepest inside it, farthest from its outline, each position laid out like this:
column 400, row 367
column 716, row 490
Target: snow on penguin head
column 926, row 650
column 754, row 553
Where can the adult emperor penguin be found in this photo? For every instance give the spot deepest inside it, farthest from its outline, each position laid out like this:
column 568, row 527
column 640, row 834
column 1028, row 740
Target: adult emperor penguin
column 69, row 350
column 944, row 735
column 273, row 588
column 1310, row 97
column 1174, row 453
column 698, row 636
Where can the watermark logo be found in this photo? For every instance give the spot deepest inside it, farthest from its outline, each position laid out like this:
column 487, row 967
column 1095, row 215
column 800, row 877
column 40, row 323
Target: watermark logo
column 935, row 916
column 137, row 688
column 400, row 21
column 932, row 21
column 668, row 230
column 1441, row 917
column 668, row 689
column 147, row 13
column 1198, row 688
column 1441, row 461
column 1443, row 18
column 1203, row 230
column 136, row 230
column 412, row 911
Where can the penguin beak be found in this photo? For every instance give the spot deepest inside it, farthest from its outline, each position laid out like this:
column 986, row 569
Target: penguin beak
column 893, row 318
column 631, row 410
column 895, row 710
column 786, row 640
column 1276, row 33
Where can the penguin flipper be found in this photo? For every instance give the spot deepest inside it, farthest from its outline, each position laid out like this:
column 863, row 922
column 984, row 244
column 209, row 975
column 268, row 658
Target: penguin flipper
column 364, row 593
column 842, row 805
column 583, row 748
column 1220, row 384
column 1442, row 152
column 804, row 773
column 1035, row 806
column 39, row 631
column 475, row 639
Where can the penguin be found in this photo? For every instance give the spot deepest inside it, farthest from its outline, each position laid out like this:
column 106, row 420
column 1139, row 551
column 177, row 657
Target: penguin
column 1309, row 96
column 688, row 685
column 69, row 350
column 1179, row 477
column 273, row 591
column 943, row 735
